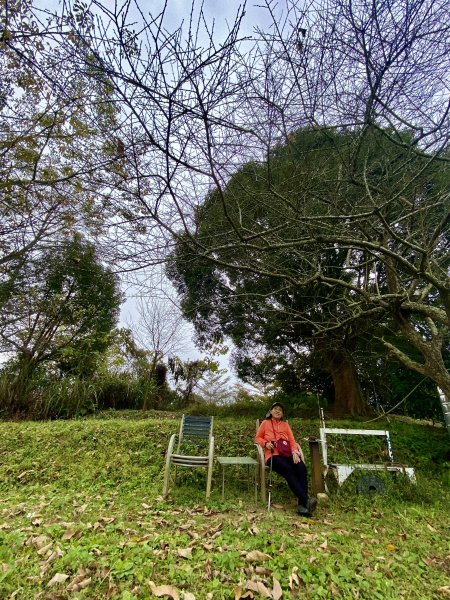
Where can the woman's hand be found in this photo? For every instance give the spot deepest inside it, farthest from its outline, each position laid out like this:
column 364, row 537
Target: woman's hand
column 296, row 458
column 269, row 446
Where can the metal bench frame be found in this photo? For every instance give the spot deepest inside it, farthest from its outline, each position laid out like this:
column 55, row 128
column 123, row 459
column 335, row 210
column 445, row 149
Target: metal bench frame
column 343, row 471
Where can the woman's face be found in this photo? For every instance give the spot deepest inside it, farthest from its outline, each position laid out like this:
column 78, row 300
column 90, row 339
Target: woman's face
column 277, row 412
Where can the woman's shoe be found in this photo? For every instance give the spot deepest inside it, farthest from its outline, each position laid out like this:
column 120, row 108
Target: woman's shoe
column 302, row 510
column 307, row 511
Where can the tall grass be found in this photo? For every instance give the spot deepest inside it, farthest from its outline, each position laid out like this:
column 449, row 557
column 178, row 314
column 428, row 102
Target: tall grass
column 43, row 397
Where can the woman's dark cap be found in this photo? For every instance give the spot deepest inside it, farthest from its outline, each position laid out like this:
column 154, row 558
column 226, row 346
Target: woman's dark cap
column 269, row 415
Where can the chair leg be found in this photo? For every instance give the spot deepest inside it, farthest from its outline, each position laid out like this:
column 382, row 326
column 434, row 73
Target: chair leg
column 166, row 477
column 210, row 468
column 262, row 472
column 208, row 483
column 168, row 463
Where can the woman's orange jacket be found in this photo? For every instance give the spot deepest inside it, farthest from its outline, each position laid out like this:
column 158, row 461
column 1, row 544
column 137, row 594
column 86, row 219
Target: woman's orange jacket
column 271, row 430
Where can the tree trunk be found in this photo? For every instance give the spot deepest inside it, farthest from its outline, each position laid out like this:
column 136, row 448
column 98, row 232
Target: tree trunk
column 21, row 385
column 349, row 398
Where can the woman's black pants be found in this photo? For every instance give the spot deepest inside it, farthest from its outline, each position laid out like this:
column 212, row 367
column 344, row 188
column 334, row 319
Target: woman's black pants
column 295, row 475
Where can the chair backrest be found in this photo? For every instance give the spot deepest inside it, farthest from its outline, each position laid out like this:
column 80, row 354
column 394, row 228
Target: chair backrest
column 195, row 430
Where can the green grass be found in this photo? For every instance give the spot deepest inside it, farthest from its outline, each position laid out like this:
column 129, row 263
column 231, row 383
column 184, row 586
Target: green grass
column 82, row 499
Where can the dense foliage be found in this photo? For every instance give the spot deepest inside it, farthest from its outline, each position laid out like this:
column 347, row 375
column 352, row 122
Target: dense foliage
column 294, row 311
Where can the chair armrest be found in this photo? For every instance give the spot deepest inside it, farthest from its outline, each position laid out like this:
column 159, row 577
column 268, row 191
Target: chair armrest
column 211, row 446
column 260, row 453
column 302, row 456
column 173, row 439
column 262, row 471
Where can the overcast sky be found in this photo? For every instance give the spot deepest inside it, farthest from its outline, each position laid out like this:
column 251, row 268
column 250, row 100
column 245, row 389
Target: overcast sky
column 221, row 14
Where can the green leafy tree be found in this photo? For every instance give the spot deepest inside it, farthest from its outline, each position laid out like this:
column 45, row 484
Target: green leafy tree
column 276, row 325
column 187, row 375
column 56, row 140
column 60, row 313
column 352, row 223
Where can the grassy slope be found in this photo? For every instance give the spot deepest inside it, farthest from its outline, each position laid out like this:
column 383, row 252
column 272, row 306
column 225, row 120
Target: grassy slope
column 82, row 499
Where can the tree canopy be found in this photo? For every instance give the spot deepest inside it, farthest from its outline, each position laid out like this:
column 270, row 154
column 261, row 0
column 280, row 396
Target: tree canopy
column 60, row 311
column 337, row 239
column 195, row 108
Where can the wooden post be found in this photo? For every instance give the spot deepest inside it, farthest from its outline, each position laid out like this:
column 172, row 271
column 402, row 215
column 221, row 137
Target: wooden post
column 316, row 470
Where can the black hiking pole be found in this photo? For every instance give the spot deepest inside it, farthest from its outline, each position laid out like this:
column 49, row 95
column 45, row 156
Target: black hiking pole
column 270, row 482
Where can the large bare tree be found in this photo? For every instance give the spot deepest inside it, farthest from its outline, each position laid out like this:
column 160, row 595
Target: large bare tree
column 196, row 109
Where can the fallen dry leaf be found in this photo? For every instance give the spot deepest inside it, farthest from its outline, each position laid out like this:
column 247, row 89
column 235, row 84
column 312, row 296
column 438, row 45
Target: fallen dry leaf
column 208, row 547
column 44, row 550
column 239, row 594
column 277, row 592
column 78, row 585
column 334, row 589
column 342, row 531
column 57, row 553
column 19, row 477
column 185, row 552
column 106, row 519
column 58, row 578
column 259, row 587
column 37, row 540
column 257, row 556
column 69, row 534
column 444, row 591
column 390, row 547
column 294, row 578
column 188, row 596
column 142, row 538
column 263, row 571
column 164, row 590
column 302, row 525
column 431, row 528
column 309, row 537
